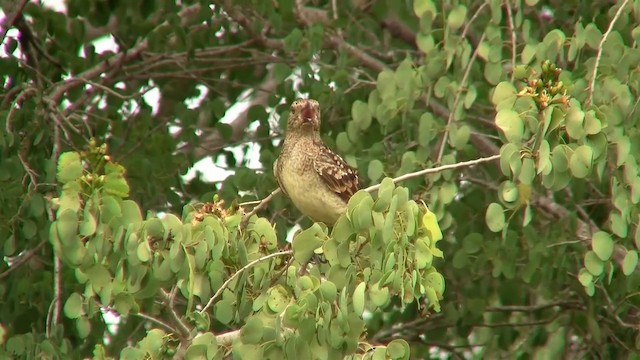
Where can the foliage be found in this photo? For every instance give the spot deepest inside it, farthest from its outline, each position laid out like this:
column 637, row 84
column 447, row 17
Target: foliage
column 526, row 109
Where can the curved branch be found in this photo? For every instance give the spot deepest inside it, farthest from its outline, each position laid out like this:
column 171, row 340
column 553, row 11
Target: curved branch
column 237, row 273
column 594, row 73
column 436, row 170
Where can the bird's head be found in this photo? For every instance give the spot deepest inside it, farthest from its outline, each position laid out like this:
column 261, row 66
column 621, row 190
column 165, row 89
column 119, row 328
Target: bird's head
column 304, row 116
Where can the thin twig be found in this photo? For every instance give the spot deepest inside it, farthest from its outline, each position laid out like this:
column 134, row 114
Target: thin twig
column 237, row 273
column 475, row 15
column 247, row 203
column 21, row 259
column 48, row 323
column 57, row 290
column 23, row 95
column 226, row 339
column 10, row 20
column 435, row 170
column 612, row 311
column 157, row 321
column 260, row 205
column 115, row 93
column 183, row 329
column 532, row 308
column 512, row 32
column 594, row 74
column 456, row 101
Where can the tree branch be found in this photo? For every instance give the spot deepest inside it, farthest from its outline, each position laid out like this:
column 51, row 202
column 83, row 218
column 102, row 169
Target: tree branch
column 10, row 20
column 399, row 30
column 435, row 170
column 594, row 73
column 157, row 321
column 260, row 205
column 456, row 101
column 183, row 330
column 237, row 273
column 21, row 259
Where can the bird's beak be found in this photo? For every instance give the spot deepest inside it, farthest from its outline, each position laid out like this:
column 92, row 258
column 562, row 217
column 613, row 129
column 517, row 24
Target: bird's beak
column 307, row 112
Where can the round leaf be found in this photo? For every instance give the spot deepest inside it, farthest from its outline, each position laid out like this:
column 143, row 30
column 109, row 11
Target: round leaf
column 73, row 306
column 511, row 125
column 495, row 217
column 602, row 245
column 630, row 262
column 358, row 298
column 580, row 162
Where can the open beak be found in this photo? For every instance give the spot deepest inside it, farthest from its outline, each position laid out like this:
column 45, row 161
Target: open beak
column 307, row 112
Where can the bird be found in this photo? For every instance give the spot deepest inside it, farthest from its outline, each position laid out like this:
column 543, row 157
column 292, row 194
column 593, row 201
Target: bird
column 316, row 179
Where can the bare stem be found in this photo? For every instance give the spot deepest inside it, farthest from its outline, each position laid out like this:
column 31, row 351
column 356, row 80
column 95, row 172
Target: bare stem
column 237, row 273
column 512, row 33
column 456, row 101
column 261, row 204
column 594, row 73
column 435, row 170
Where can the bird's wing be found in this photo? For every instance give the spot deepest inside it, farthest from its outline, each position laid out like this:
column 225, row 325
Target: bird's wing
column 276, row 172
column 336, row 173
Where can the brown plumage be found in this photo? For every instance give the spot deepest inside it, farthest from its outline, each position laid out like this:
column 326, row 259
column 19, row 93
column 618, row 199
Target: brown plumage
column 318, row 181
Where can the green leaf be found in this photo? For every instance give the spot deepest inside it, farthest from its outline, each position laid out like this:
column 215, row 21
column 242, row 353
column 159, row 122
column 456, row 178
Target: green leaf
column 593, row 264
column 361, row 114
column 493, row 72
column 398, row 349
column 385, row 192
column 636, row 237
column 618, row 224
column 386, row 86
column 358, row 298
column 592, row 125
column 281, row 72
column 69, row 167
column 73, row 306
column 435, row 281
column 343, row 143
column 252, row 331
column 83, row 325
column 88, row 225
column 123, row 303
column 116, row 185
column 379, row 296
column 99, row 276
column 623, row 148
column 264, row 233
column 592, row 36
column 602, row 245
column 574, row 122
column 143, row 251
column 425, row 42
column 67, row 226
column 456, row 17
column 422, row 6
column 527, row 171
column 292, row 41
column 495, row 217
column 511, row 125
column 460, row 137
column 306, row 242
column 472, row 243
column 224, row 311
column 470, row 96
column 375, row 170
column 585, row 277
column 430, row 223
column 630, row 262
column 581, row 161
column 278, row 299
